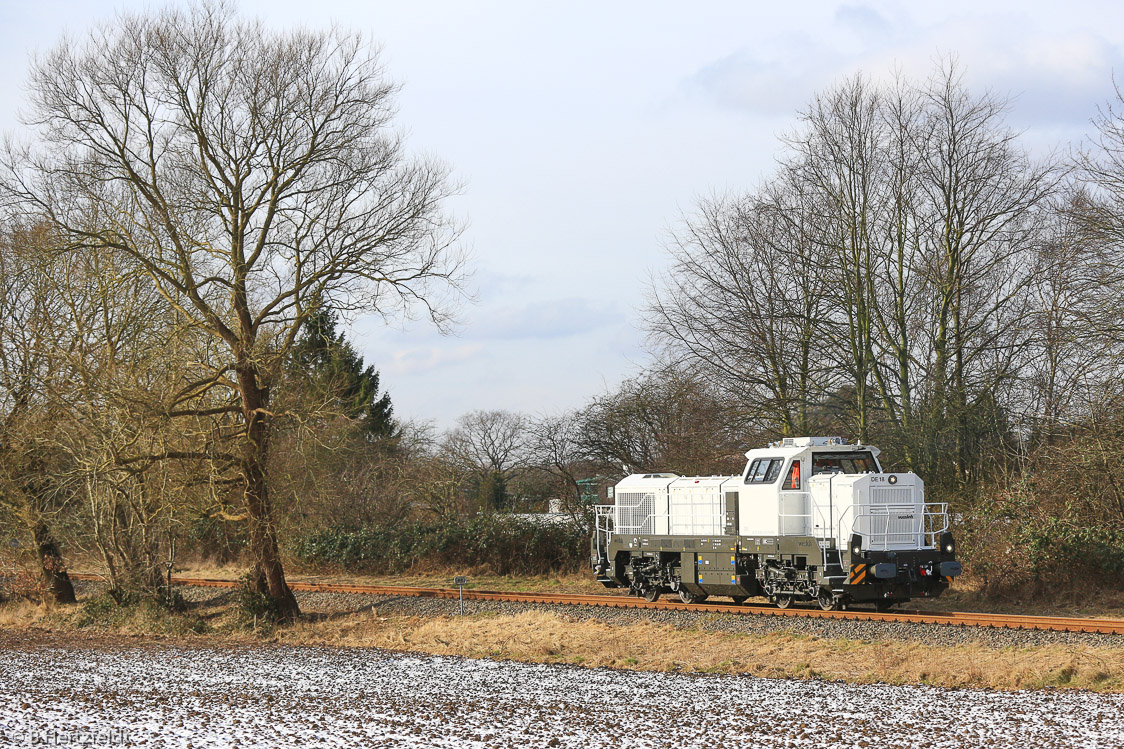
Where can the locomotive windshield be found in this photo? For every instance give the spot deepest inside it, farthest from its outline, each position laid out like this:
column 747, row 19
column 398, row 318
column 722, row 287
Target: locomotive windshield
column 764, row 470
column 856, row 462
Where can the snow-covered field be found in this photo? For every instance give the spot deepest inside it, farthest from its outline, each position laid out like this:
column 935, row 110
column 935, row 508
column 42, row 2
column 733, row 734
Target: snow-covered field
column 158, row 696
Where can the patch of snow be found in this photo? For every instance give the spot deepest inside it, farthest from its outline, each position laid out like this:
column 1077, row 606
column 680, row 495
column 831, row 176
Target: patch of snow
column 322, row 697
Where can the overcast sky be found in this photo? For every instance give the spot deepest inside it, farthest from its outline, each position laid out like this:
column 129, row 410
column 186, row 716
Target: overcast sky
column 583, row 130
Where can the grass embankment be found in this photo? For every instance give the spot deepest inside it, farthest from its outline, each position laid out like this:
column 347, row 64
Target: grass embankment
column 142, row 617
column 549, row 637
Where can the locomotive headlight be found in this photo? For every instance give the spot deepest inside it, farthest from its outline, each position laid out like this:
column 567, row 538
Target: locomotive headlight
column 856, row 545
column 948, row 545
column 893, row 479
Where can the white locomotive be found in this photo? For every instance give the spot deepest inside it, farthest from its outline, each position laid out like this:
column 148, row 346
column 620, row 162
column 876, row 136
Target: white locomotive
column 810, row 518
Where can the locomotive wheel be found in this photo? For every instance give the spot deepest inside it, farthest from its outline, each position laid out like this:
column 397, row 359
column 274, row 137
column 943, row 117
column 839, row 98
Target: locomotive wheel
column 651, row 595
column 783, row 602
column 738, row 600
column 827, row 601
column 687, row 597
column 883, row 606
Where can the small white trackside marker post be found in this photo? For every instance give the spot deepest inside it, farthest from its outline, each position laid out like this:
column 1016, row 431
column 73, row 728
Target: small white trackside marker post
column 460, row 581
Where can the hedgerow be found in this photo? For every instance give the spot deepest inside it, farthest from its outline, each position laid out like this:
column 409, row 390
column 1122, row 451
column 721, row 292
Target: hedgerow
column 506, row 545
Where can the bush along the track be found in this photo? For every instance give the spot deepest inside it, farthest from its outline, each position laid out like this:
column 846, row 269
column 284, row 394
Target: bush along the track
column 137, row 612
column 256, row 608
column 1014, row 551
column 506, row 545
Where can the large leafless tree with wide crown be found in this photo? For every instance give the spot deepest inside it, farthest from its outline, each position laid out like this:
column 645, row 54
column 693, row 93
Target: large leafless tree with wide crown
column 254, row 175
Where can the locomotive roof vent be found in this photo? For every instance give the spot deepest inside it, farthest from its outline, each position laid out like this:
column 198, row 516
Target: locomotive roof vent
column 811, row 441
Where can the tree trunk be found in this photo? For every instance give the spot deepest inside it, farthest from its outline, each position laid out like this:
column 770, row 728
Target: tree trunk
column 268, row 576
column 56, row 581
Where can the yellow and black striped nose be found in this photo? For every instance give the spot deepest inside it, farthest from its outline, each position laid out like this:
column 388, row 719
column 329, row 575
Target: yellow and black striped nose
column 858, row 573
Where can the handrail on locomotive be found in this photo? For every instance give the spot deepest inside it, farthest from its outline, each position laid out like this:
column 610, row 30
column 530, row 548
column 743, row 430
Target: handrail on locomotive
column 928, row 531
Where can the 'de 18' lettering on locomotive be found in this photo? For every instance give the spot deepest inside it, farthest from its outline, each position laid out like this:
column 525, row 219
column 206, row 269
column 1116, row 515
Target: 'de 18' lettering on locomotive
column 809, row 519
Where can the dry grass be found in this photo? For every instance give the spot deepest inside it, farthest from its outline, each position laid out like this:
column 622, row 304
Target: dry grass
column 967, row 594
column 551, row 638
column 20, row 613
column 547, row 637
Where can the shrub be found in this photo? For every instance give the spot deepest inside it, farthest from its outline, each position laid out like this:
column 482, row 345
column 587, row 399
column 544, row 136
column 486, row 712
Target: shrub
column 255, row 607
column 147, row 613
column 1019, row 543
column 505, row 544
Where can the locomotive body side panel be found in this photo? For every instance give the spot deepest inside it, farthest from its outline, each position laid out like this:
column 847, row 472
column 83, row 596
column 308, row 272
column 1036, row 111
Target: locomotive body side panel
column 697, row 506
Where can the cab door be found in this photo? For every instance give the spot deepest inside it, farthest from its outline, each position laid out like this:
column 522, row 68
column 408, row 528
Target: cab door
column 758, row 492
column 794, row 506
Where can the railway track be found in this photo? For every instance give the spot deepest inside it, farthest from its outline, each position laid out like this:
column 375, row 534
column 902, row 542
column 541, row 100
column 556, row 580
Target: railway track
column 950, row 618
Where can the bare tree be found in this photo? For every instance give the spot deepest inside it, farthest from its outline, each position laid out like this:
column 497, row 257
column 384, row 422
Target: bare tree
column 981, row 195
column 127, row 359
column 1076, row 347
column 86, row 369
column 33, row 330
column 898, row 287
column 248, row 172
column 1099, row 215
column 492, row 445
column 667, row 420
column 837, row 157
column 556, row 449
column 744, row 307
column 878, row 283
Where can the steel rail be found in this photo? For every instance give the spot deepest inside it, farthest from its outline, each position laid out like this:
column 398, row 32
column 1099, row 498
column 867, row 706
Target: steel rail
column 949, row 618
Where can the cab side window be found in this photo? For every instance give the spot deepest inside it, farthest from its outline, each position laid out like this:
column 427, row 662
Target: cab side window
column 792, row 481
column 856, row 462
column 764, row 470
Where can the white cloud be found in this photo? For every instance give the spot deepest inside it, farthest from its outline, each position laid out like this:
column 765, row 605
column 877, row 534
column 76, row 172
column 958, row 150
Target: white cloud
column 429, row 358
column 862, row 18
column 1054, row 76
column 545, row 319
column 761, row 79
column 1055, row 79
